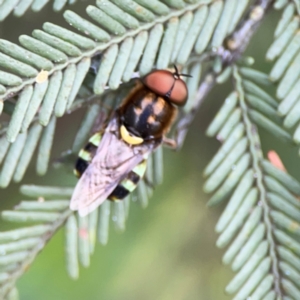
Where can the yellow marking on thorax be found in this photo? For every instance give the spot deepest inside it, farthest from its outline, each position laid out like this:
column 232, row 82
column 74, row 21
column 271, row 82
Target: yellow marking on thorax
column 158, row 106
column 151, row 119
column 137, row 110
column 129, row 138
column 147, row 100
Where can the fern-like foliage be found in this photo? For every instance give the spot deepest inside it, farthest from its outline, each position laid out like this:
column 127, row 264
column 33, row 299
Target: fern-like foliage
column 19, row 247
column 50, row 75
column 49, row 71
column 263, row 210
column 286, row 70
column 19, row 7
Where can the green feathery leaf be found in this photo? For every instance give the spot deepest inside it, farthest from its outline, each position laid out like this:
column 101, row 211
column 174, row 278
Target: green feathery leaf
column 261, row 198
column 58, row 71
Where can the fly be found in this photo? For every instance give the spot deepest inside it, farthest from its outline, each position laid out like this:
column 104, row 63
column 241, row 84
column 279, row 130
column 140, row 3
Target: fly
column 112, row 163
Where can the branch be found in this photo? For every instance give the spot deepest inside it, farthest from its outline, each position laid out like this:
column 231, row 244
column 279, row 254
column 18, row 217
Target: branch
column 229, row 54
column 257, row 157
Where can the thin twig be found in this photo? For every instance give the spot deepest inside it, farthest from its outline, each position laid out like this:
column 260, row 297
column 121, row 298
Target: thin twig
column 257, row 157
column 234, row 46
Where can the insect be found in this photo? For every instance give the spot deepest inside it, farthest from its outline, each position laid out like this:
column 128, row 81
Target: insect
column 113, row 162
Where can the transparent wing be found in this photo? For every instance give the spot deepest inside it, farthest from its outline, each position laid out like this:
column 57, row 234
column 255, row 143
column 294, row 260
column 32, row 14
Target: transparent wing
column 114, row 159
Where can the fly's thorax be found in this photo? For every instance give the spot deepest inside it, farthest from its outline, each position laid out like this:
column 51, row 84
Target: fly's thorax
column 146, row 114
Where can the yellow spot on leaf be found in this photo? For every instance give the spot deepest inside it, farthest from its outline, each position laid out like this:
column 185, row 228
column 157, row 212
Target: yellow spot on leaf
column 42, row 77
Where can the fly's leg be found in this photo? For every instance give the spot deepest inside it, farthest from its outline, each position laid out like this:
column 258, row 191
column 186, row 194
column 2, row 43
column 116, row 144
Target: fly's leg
column 97, row 126
column 105, row 114
column 66, row 160
column 170, row 143
column 149, row 182
column 181, row 130
column 182, row 126
column 100, row 121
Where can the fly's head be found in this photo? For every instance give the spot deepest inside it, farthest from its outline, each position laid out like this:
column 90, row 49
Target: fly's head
column 149, row 110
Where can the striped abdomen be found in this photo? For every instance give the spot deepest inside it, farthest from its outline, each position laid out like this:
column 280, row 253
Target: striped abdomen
column 86, row 154
column 129, row 183
column 124, row 187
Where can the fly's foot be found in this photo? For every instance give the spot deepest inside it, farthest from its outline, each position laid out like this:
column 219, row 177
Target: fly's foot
column 171, row 143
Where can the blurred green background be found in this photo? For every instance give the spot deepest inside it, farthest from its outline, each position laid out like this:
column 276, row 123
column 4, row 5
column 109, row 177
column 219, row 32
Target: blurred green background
column 168, row 250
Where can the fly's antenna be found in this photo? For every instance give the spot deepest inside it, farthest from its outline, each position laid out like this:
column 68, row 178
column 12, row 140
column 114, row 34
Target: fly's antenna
column 177, row 74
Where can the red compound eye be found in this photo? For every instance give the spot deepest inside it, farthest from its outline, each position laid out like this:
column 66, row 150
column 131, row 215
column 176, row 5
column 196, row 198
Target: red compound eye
column 167, row 84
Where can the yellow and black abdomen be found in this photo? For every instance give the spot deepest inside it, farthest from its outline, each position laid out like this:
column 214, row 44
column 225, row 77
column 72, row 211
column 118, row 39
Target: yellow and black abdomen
column 129, row 183
column 86, row 154
column 125, row 186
